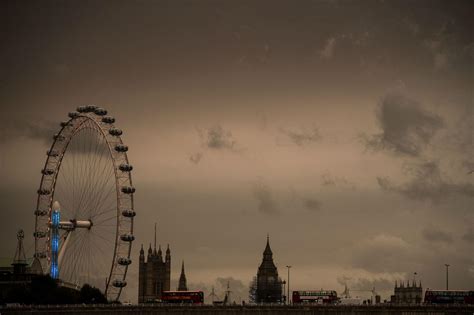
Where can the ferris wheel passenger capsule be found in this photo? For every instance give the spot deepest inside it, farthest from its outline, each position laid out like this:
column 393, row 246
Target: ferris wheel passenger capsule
column 40, row 255
column 128, row 189
column 73, row 114
column 100, row 111
column 47, row 171
column 121, row 148
column 44, row 191
column 125, row 167
column 39, row 234
column 81, row 109
column 41, row 213
column 115, row 132
column 124, row 261
column 119, row 283
column 52, row 153
column 127, row 237
column 129, row 213
column 108, row 120
column 64, row 123
column 90, row 108
column 58, row 137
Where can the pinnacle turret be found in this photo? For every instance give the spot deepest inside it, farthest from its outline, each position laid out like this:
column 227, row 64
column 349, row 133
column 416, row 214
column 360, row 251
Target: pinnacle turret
column 267, row 253
column 182, row 280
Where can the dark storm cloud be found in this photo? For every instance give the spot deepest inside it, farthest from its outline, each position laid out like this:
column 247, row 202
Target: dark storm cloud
column 469, row 235
column 217, row 138
column 312, row 204
column 42, row 130
column 302, row 137
column 427, row 183
column 195, row 158
column 433, row 234
column 406, row 127
column 329, row 180
column 265, row 201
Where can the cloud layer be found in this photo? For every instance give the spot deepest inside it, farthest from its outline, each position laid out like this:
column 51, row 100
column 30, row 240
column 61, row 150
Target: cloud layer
column 406, row 127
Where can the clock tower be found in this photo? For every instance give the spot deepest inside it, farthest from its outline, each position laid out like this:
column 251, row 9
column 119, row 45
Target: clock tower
column 269, row 285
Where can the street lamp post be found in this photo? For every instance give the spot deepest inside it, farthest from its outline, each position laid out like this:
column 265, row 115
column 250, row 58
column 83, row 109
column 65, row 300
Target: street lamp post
column 288, row 285
column 284, row 290
column 447, row 276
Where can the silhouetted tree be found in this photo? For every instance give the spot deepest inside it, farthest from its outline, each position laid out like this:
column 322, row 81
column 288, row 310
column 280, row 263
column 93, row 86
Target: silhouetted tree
column 45, row 290
column 253, row 290
column 92, row 295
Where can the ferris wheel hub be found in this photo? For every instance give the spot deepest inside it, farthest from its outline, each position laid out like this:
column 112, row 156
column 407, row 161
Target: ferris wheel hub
column 74, row 224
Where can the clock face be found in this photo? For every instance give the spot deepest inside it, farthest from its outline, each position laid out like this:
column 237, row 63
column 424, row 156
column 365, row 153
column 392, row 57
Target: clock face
column 271, row 279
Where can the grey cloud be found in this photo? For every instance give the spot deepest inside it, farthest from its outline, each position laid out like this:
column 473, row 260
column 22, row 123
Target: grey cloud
column 42, row 130
column 469, row 166
column 328, row 50
column 469, row 235
column 217, row 138
column 329, row 180
column 302, row 137
column 427, row 183
column 433, row 234
column 265, row 202
column 312, row 204
column 195, row 158
column 406, row 127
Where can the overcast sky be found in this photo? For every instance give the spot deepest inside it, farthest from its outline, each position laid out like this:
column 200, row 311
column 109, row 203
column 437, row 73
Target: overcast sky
column 344, row 129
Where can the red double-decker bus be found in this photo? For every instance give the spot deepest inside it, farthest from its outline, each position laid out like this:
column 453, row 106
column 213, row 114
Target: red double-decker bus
column 449, row 297
column 317, row 297
column 182, row 297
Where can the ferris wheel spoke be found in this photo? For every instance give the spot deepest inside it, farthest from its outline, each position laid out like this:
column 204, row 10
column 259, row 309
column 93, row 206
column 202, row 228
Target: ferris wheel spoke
column 98, row 195
column 95, row 179
column 78, row 256
column 103, row 238
column 94, row 192
column 104, row 212
column 104, row 206
column 102, row 200
column 105, row 220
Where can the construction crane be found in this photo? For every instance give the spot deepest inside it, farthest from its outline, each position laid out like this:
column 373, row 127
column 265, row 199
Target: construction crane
column 213, row 295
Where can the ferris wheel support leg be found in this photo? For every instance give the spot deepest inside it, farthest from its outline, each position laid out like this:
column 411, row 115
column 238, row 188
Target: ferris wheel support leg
column 63, row 247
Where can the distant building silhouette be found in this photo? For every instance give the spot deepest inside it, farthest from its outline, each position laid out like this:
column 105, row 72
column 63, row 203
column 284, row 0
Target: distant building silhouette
column 154, row 274
column 269, row 285
column 19, row 261
column 406, row 294
column 17, row 274
column 182, row 286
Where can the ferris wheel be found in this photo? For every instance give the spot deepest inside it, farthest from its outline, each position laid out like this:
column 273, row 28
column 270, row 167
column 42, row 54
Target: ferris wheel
column 84, row 214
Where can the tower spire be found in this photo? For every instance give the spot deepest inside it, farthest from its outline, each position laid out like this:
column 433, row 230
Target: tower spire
column 155, row 238
column 267, row 253
column 182, row 280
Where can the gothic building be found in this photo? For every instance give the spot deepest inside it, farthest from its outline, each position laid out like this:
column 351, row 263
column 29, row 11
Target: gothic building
column 406, row 294
column 182, row 286
column 269, row 285
column 154, row 274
